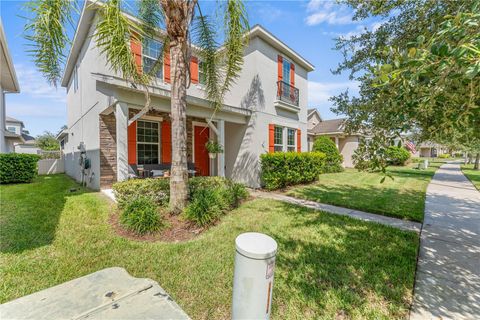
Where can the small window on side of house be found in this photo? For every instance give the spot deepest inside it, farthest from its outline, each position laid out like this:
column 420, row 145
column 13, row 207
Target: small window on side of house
column 75, row 79
column 290, row 139
column 11, row 129
column 278, row 139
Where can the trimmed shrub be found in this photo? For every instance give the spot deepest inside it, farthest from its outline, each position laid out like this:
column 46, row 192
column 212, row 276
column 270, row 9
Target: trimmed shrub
column 211, row 197
column 333, row 157
column 397, row 156
column 281, row 169
column 157, row 189
column 444, row 156
column 206, row 207
column 18, row 167
column 141, row 216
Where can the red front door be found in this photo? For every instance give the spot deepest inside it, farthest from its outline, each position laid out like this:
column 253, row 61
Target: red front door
column 202, row 161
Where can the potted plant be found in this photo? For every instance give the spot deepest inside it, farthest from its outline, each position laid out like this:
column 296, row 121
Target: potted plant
column 213, row 148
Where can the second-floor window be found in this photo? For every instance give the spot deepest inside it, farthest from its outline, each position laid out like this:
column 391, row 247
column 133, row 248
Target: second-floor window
column 11, row 129
column 202, row 76
column 286, row 70
column 151, row 50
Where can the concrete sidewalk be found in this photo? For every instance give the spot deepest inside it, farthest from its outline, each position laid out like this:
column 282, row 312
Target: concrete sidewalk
column 356, row 214
column 448, row 274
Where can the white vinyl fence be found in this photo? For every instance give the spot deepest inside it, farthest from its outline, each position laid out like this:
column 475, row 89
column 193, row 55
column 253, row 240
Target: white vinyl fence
column 51, row 166
column 51, row 162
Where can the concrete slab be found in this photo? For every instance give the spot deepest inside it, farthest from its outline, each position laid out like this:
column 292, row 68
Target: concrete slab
column 107, row 294
column 448, row 275
column 356, row 214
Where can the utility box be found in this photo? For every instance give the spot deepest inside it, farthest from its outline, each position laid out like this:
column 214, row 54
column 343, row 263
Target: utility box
column 253, row 276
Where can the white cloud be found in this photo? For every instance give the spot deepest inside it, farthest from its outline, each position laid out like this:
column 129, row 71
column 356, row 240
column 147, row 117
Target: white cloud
column 319, row 93
column 34, row 85
column 327, row 12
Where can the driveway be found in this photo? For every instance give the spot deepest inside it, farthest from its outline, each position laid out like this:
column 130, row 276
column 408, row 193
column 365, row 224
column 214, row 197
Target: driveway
column 448, row 274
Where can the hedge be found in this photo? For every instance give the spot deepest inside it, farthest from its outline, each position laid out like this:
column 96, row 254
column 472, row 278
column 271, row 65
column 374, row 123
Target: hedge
column 397, row 156
column 18, row 167
column 157, row 189
column 281, row 169
column 334, row 158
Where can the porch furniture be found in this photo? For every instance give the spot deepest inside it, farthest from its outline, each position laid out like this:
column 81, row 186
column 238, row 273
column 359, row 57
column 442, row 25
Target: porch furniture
column 154, row 170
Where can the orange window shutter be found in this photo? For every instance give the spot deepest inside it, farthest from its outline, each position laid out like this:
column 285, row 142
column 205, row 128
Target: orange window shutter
column 280, row 68
column 299, row 140
column 271, row 138
column 194, row 69
column 136, row 47
column 292, row 74
column 132, row 143
column 166, row 66
column 166, row 137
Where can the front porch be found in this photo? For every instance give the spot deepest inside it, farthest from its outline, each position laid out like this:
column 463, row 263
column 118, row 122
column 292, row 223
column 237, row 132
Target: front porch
column 142, row 148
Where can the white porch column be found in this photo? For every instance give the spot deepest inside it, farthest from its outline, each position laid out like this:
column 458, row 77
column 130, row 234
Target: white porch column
column 337, row 142
column 121, row 117
column 221, row 141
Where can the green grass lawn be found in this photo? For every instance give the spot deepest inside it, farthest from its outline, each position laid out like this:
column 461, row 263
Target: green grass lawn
column 328, row 266
column 473, row 175
column 403, row 197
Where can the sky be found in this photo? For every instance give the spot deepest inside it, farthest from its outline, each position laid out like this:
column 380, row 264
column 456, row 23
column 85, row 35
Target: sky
column 308, row 27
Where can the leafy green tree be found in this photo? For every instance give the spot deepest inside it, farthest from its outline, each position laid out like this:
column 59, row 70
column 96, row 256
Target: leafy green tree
column 334, row 158
column 47, row 142
column 424, row 79
column 183, row 24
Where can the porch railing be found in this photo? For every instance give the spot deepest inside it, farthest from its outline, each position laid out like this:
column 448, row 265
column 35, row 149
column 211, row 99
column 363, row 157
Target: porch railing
column 287, row 93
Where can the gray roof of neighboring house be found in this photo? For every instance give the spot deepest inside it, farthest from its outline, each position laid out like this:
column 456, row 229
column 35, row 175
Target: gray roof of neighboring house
column 10, row 119
column 329, row 126
column 310, row 110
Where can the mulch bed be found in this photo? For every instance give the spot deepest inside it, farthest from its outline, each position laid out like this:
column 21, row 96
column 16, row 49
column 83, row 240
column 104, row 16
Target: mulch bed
column 176, row 230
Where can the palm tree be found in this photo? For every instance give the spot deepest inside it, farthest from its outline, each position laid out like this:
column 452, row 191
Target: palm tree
column 183, row 28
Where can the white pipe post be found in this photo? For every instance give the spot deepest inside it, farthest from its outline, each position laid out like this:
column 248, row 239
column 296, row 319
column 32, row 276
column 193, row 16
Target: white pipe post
column 253, row 276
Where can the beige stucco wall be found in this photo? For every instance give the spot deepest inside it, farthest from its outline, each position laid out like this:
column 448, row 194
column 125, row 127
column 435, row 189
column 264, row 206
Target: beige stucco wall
column 347, row 147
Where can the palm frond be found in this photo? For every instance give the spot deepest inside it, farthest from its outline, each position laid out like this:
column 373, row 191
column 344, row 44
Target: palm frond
column 151, row 15
column 221, row 65
column 113, row 36
column 47, row 35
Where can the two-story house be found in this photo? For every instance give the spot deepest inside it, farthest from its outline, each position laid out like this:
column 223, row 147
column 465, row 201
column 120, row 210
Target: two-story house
column 265, row 111
column 8, row 84
column 27, row 143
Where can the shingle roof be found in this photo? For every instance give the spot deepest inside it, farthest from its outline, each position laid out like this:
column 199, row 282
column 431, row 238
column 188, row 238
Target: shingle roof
column 10, row 119
column 329, row 126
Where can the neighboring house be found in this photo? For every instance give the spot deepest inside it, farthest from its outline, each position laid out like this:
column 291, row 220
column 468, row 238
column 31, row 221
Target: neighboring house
column 8, row 84
column 335, row 129
column 430, row 149
column 265, row 111
column 27, row 145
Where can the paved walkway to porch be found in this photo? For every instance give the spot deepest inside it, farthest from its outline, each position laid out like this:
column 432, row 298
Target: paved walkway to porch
column 448, row 273
column 361, row 215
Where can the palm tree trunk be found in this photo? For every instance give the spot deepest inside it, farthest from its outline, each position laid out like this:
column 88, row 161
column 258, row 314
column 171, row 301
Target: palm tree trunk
column 477, row 160
column 179, row 175
column 178, row 16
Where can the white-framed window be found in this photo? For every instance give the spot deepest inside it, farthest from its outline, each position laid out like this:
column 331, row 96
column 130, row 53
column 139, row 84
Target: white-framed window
column 75, row 79
column 284, row 139
column 11, row 129
column 278, row 139
column 148, row 142
column 286, row 70
column 151, row 50
column 291, row 139
column 202, row 76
